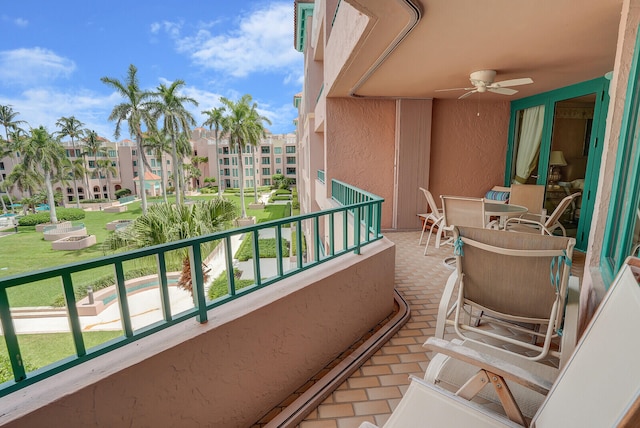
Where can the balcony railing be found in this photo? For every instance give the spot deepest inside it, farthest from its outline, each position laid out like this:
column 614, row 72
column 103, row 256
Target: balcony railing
column 321, row 175
column 356, row 205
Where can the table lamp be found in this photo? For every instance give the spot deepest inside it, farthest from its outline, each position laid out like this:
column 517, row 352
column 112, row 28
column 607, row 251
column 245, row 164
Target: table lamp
column 556, row 160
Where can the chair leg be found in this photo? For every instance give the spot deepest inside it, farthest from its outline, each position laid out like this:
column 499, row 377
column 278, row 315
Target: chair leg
column 424, row 226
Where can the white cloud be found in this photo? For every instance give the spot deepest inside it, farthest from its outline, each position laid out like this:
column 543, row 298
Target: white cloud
column 36, row 65
column 44, row 107
column 171, row 28
column 261, row 42
column 20, row 22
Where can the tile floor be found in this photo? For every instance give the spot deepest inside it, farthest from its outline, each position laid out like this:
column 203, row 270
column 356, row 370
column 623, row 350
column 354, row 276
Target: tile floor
column 375, row 389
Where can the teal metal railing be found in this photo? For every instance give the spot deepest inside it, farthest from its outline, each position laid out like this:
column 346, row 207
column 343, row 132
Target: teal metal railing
column 321, row 175
column 355, row 204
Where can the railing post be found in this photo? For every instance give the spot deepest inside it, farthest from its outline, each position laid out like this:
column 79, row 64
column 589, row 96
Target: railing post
column 197, row 282
column 231, row 278
column 165, row 300
column 299, row 243
column 332, row 238
column 256, row 256
column 279, row 265
column 316, row 239
column 122, row 300
column 356, row 230
column 10, row 338
column 74, row 318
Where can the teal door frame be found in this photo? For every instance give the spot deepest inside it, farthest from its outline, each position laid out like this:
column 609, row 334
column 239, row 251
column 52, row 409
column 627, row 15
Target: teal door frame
column 600, row 87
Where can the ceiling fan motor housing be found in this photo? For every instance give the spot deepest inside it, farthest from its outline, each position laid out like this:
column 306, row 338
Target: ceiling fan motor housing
column 482, row 78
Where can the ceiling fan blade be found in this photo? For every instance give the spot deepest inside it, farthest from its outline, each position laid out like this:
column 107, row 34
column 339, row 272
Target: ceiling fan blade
column 512, row 82
column 463, row 96
column 503, row 91
column 455, row 89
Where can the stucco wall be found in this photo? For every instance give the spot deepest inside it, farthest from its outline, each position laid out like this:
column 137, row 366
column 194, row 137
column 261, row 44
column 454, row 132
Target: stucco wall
column 360, row 147
column 468, row 147
column 592, row 287
column 253, row 353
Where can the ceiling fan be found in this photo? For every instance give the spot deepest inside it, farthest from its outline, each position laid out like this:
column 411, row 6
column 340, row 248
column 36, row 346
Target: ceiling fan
column 482, row 81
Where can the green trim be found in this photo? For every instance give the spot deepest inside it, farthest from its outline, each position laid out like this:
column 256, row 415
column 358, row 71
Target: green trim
column 624, row 193
column 599, row 87
column 304, row 11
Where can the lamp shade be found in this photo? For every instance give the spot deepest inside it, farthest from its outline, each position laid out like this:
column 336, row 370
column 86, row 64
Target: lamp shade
column 557, row 158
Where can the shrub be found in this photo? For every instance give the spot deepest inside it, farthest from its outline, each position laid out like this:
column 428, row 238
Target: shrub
column 280, row 198
column 64, row 214
column 122, row 192
column 267, row 248
column 81, row 290
column 294, row 244
column 219, row 287
column 6, row 373
column 283, row 192
column 207, row 190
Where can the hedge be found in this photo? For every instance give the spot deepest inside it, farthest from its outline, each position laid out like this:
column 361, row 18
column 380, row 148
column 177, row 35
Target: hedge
column 267, row 248
column 219, row 287
column 6, row 372
column 63, row 214
column 283, row 192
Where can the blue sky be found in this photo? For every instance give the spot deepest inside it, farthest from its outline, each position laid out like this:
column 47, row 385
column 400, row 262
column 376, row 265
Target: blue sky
column 53, row 54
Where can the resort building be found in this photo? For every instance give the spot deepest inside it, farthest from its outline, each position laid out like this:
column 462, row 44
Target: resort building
column 275, row 155
column 397, row 95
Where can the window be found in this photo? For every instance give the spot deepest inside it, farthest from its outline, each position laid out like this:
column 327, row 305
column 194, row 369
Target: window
column 248, row 172
column 234, row 173
column 278, row 160
column 277, row 150
column 114, row 163
column 266, row 171
column 235, row 183
column 266, row 161
column 226, row 171
column 2, row 166
column 112, row 153
column 135, row 174
column 78, row 153
column 265, row 149
column 226, row 161
column 92, row 164
column 291, row 160
column 133, row 152
column 225, row 150
column 69, row 190
column 291, row 170
column 135, row 163
column 266, row 182
column 248, row 160
column 249, row 183
column 153, row 162
column 234, row 161
column 278, row 171
column 149, row 152
column 291, row 149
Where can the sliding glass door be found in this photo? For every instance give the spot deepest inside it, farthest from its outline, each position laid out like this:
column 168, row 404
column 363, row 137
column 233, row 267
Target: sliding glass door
column 555, row 142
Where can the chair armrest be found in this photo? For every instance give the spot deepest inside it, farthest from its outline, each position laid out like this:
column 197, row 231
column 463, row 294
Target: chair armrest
column 570, row 326
column 492, row 364
column 520, row 220
column 443, row 307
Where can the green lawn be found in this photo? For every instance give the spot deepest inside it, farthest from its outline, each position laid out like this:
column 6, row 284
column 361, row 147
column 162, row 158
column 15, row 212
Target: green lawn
column 27, row 251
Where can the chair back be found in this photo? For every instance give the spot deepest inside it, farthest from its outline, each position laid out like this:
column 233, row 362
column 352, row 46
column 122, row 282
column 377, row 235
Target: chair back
column 599, row 386
column 530, row 196
column 431, row 203
column 514, row 277
column 554, row 217
column 461, row 211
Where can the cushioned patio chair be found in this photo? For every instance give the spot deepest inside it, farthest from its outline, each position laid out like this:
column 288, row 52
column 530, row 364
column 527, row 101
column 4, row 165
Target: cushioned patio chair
column 460, row 211
column 513, row 281
column 530, row 196
column 433, row 214
column 550, row 224
column 598, row 387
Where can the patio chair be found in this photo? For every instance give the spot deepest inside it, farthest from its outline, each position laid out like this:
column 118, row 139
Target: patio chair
column 550, row 224
column 514, row 282
column 434, row 215
column 530, row 196
column 605, row 357
column 460, row 211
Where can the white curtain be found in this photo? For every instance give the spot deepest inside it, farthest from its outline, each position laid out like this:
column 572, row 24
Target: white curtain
column 529, row 144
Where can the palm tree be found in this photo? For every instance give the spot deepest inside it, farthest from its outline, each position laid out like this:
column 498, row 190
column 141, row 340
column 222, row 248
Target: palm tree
column 196, row 161
column 176, row 119
column 105, row 167
column 244, row 127
column 184, row 150
column 72, row 128
column 7, row 118
column 25, row 179
column 215, row 118
column 42, row 152
column 159, row 142
column 93, row 145
column 170, row 222
column 134, row 110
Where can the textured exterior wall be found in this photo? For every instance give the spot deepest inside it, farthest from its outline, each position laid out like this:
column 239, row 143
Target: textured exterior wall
column 468, row 152
column 360, row 147
column 592, row 287
column 252, row 354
